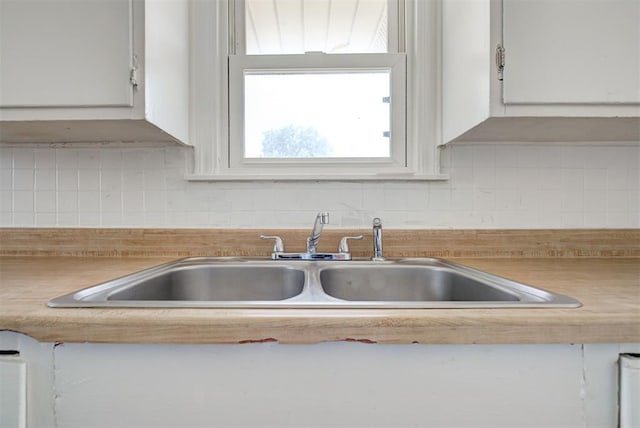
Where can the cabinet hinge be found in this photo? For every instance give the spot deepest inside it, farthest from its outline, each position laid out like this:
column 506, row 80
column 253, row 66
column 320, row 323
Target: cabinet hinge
column 500, row 61
column 133, row 76
column 133, row 73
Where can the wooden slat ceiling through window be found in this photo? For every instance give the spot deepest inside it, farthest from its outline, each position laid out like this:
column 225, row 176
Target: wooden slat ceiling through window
column 330, row 26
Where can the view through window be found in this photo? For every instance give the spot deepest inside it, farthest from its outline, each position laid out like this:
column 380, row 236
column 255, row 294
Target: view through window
column 309, row 113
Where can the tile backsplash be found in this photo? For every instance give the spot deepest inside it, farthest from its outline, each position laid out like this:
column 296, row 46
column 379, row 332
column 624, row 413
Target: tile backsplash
column 491, row 186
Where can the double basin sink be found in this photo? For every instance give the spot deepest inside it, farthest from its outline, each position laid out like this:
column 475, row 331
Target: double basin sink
column 202, row 282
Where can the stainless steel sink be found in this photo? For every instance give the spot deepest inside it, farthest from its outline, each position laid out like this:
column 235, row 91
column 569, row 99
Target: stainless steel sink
column 408, row 284
column 246, row 283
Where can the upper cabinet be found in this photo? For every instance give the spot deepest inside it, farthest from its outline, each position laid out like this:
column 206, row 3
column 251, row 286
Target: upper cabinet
column 541, row 70
column 94, row 71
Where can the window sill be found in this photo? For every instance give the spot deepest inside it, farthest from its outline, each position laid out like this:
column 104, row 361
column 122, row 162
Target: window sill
column 319, row 177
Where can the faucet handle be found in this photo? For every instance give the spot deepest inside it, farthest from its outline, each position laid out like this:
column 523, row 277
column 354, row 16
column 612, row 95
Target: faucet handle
column 278, row 246
column 344, row 244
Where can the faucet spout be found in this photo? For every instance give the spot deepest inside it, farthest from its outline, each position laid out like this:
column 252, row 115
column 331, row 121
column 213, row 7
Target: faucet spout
column 377, row 240
column 312, row 241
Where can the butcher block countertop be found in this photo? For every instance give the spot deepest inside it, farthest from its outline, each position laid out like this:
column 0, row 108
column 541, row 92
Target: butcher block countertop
column 609, row 289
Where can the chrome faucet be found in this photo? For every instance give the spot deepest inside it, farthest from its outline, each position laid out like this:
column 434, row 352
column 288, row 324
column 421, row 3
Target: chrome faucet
column 322, row 218
column 312, row 241
column 377, row 240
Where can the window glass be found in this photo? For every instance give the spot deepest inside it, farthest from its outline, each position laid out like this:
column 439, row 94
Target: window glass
column 317, row 115
column 329, row 26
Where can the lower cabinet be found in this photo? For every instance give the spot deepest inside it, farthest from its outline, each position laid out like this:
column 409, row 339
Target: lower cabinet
column 341, row 384
column 13, row 384
column 629, row 390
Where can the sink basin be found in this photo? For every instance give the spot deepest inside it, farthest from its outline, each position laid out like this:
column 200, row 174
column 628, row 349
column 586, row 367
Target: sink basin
column 408, row 284
column 216, row 283
column 245, row 283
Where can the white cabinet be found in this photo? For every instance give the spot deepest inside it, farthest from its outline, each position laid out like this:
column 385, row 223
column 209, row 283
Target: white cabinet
column 570, row 70
column 26, row 382
column 629, row 390
column 13, row 382
column 585, row 52
column 94, row 71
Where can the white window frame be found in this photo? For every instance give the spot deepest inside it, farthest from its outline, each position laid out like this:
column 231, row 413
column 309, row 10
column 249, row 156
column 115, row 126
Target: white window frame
column 217, row 111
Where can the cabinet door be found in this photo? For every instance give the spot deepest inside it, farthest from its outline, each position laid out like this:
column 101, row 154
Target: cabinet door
column 571, row 51
column 629, row 391
column 12, row 392
column 65, row 53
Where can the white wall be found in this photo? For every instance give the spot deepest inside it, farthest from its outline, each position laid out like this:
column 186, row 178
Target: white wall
column 491, row 186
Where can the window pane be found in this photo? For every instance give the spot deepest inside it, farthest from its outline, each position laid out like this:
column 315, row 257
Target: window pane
column 317, row 115
column 299, row 26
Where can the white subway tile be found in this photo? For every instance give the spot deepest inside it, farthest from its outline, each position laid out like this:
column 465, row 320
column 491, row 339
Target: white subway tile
column 558, row 186
column 530, row 156
column 111, row 202
column 595, row 219
column 88, row 179
column 133, row 159
column 23, row 219
column 136, row 219
column 507, row 178
column 67, row 159
column 45, row 158
column 46, row 219
column 89, row 158
column 595, row 179
column 45, row 201
column 89, row 219
column 572, row 179
column 68, row 219
column 440, row 199
column 132, row 202
column 461, row 156
column 155, row 200
column 67, row 179
column 595, row 201
column 484, row 157
column 111, row 159
column 154, row 179
column 6, row 200
column 154, row 219
column 23, row 179
column 67, row 201
column 111, row 219
column 573, row 220
column 6, row 179
column 23, row 158
column 508, row 200
column 6, row 218
column 617, row 200
column 573, row 157
column 23, row 201
column 621, row 219
column 617, row 179
column 132, row 179
column 572, row 201
column 6, row 158
column 550, row 179
column 89, row 202
column 111, row 180
column 45, row 179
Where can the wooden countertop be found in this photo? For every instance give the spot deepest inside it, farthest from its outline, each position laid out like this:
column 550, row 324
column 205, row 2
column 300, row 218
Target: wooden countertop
column 608, row 288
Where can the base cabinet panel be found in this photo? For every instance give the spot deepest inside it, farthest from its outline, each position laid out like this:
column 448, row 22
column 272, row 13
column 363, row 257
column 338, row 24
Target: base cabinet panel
column 332, row 384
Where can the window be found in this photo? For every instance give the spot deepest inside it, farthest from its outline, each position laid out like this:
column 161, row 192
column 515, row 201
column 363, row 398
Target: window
column 309, row 89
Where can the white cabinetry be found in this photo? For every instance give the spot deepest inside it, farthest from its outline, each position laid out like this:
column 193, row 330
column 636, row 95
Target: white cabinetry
column 94, row 71
column 26, row 382
column 13, row 383
column 571, row 70
column 629, row 390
